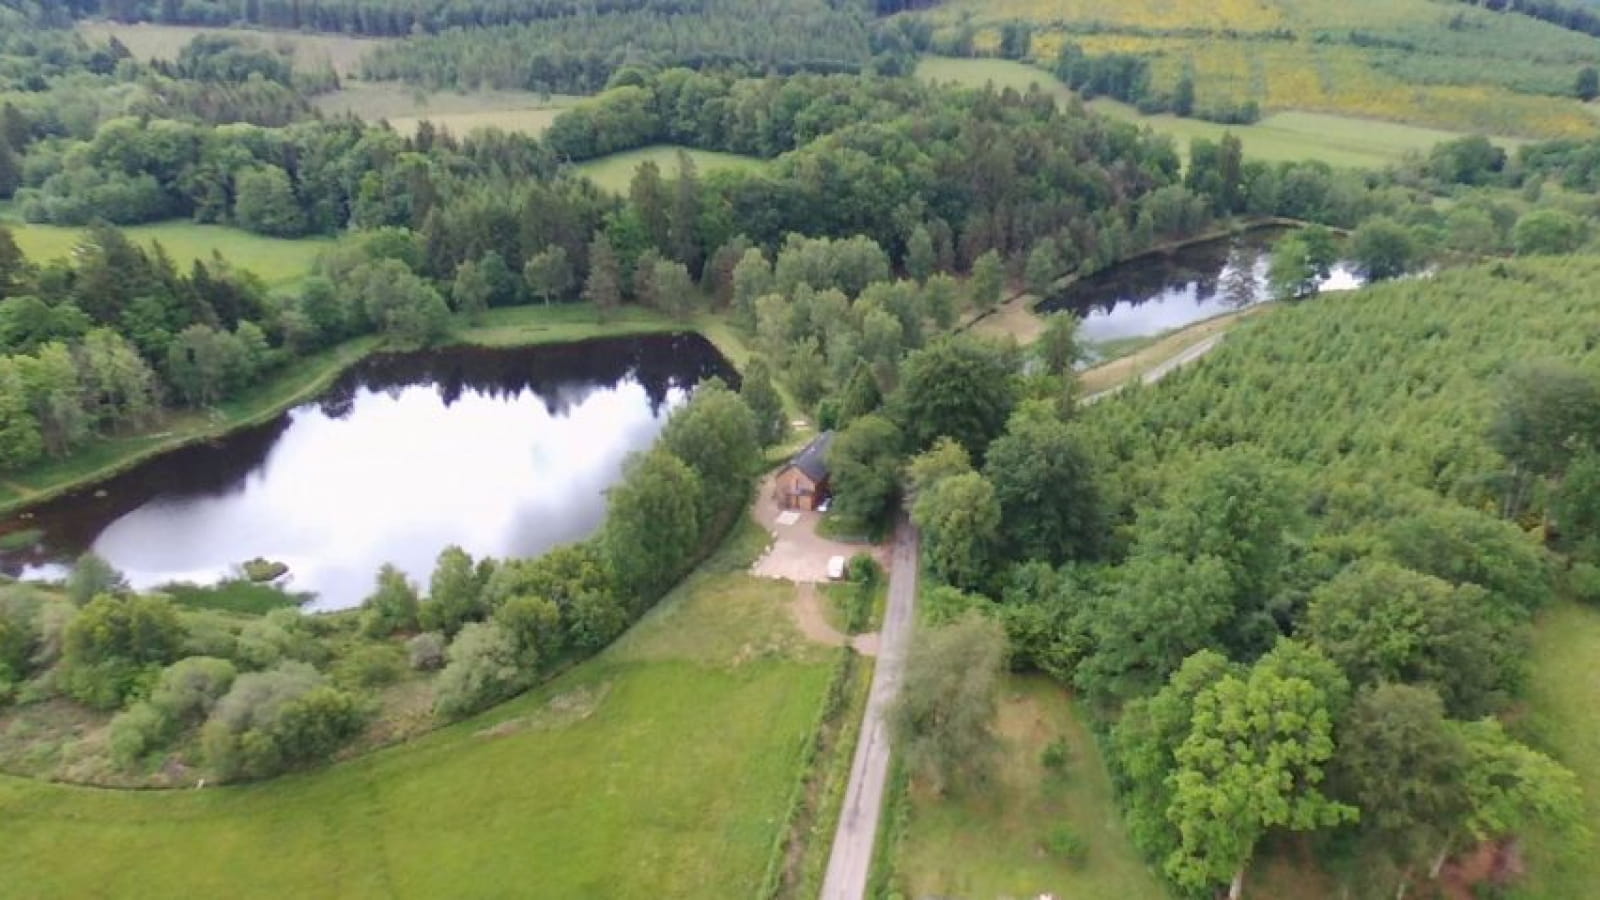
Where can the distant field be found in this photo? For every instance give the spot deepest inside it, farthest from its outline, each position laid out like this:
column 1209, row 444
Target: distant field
column 661, row 769
column 614, row 172
column 1290, row 135
column 277, row 261
column 405, row 107
column 1457, row 67
column 991, row 843
column 164, row 41
column 1002, row 73
column 1293, row 135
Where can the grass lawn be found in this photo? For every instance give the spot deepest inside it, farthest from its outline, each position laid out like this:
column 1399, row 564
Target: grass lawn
column 661, row 768
column 991, row 843
column 460, row 112
column 148, row 41
column 279, row 262
column 614, row 172
column 1564, row 720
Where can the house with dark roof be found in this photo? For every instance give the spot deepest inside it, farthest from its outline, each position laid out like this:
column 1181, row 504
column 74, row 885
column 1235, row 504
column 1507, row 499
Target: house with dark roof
column 803, row 483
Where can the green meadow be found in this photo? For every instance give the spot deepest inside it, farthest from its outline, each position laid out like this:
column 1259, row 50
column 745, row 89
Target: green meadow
column 277, row 261
column 662, row 768
column 995, row 840
column 615, row 172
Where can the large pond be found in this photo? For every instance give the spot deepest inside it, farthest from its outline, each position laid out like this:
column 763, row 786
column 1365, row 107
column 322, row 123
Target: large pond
column 504, row 452
column 1160, row 292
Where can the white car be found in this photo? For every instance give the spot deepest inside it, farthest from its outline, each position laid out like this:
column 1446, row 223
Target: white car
column 836, row 568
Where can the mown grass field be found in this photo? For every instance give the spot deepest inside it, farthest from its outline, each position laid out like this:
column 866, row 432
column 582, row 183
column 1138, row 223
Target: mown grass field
column 614, row 172
column 405, row 107
column 1563, row 717
column 991, row 842
column 659, row 769
column 148, row 41
column 1289, row 135
column 278, row 262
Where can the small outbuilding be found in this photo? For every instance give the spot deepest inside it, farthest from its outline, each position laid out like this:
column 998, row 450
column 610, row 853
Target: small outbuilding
column 803, row 483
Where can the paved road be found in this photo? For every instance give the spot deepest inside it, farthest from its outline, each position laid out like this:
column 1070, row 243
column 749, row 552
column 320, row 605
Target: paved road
column 1167, row 366
column 850, row 862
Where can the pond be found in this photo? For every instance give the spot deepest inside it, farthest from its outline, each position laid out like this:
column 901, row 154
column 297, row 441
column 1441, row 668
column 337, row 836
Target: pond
column 504, row 452
column 1161, row 292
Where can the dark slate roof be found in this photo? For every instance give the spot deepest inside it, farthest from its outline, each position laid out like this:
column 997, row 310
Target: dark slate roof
column 813, row 460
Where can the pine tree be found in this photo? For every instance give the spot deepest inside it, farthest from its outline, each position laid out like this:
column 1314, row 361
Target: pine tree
column 603, row 287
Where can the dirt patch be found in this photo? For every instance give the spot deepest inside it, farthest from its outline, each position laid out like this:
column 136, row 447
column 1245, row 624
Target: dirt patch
column 559, row 712
column 812, row 620
column 798, row 553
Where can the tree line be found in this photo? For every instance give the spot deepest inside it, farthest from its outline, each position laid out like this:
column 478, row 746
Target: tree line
column 582, row 54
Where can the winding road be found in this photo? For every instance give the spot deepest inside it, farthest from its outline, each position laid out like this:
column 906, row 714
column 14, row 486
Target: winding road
column 850, row 862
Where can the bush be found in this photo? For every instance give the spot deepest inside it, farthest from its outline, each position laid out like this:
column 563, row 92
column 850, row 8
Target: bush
column 277, row 636
column 135, row 732
column 1054, row 756
column 1065, row 844
column 114, row 645
column 370, row 666
column 91, row 576
column 482, row 671
column 188, row 690
column 274, row 721
column 426, row 651
column 1583, row 582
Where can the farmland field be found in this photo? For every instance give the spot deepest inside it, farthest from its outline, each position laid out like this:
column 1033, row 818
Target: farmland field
column 992, row 843
column 277, row 261
column 148, row 41
column 614, row 172
column 1468, row 70
column 1289, row 135
column 659, row 769
column 405, row 107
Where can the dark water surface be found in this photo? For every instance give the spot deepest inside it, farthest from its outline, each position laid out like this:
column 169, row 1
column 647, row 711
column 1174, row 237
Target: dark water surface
column 1161, row 292
column 505, row 452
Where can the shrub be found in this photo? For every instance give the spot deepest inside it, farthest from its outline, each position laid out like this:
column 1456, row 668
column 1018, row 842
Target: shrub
column 111, row 647
column 1583, row 582
column 1054, row 756
column 1065, row 844
column 91, row 576
column 426, row 651
column 392, row 606
column 482, row 671
column 277, row 636
column 273, row 721
column 370, row 666
column 135, row 732
column 187, row 691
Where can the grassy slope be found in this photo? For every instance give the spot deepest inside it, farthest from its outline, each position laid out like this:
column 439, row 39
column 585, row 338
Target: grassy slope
column 990, row 844
column 1290, row 135
column 1564, row 718
column 614, row 172
column 278, row 262
column 667, row 778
